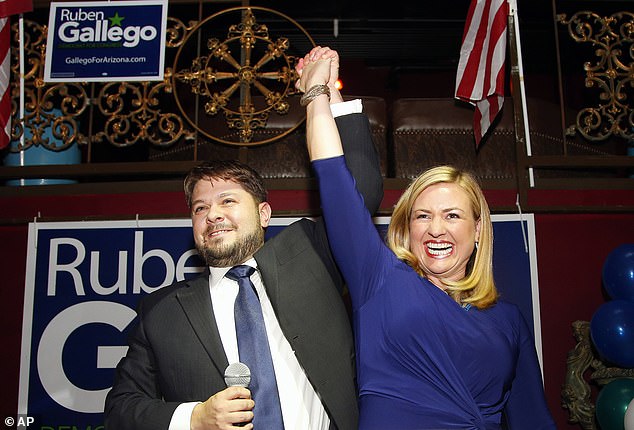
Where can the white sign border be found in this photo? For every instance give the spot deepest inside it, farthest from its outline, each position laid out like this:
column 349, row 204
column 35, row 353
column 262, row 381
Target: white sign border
column 29, row 294
column 51, row 28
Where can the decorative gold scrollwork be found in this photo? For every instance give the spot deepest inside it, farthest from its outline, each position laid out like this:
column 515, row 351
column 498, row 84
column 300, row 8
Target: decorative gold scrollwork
column 133, row 113
column 245, row 76
column 576, row 392
column 47, row 107
column 136, row 111
column 176, row 31
column 612, row 74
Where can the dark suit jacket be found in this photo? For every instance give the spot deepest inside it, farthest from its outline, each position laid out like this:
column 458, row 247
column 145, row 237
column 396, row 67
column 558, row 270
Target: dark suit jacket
column 175, row 353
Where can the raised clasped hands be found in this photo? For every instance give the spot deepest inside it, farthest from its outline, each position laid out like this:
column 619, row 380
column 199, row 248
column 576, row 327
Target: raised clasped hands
column 320, row 66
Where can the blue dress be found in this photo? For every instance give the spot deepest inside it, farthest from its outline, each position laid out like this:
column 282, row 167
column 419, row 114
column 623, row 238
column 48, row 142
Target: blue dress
column 423, row 361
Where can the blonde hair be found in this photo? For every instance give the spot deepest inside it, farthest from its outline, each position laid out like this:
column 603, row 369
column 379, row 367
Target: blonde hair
column 478, row 285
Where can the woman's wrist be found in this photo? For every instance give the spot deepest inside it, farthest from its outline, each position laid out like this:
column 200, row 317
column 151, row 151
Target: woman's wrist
column 313, row 92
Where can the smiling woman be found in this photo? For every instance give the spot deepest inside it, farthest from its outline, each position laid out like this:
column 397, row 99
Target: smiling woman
column 457, row 360
column 443, row 233
column 445, row 209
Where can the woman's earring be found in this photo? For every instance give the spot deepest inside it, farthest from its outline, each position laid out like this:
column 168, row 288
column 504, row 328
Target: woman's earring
column 476, row 244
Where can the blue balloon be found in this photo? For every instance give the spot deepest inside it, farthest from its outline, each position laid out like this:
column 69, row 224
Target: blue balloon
column 618, row 272
column 612, row 332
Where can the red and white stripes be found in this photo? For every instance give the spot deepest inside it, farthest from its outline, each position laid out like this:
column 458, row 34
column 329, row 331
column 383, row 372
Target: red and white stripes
column 480, row 77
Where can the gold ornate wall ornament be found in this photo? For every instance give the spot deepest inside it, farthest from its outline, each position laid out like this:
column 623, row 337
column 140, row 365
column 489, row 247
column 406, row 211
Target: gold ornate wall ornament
column 244, row 77
column 55, row 108
column 133, row 114
column 139, row 111
column 612, row 74
column 576, row 391
column 241, row 74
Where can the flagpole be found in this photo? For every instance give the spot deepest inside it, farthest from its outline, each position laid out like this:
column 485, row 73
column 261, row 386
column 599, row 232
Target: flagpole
column 21, row 101
column 520, row 69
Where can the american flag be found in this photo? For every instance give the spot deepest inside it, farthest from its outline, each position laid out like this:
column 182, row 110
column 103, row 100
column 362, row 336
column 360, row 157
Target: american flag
column 480, row 77
column 7, row 8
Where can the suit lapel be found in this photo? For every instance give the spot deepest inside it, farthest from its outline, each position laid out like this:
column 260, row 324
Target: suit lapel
column 288, row 312
column 196, row 303
column 270, row 275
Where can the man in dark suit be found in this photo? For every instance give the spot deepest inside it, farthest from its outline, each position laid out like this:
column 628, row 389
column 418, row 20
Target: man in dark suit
column 172, row 375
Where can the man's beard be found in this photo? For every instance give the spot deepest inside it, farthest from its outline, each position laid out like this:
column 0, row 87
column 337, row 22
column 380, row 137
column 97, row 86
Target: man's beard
column 233, row 254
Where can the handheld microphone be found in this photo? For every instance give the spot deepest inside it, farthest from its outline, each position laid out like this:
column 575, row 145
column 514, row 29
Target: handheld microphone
column 237, row 375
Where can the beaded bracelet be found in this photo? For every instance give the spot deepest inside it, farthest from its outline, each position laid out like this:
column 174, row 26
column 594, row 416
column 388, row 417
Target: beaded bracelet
column 313, row 92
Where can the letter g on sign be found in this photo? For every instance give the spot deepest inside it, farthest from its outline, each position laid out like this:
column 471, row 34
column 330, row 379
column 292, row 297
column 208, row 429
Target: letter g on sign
column 49, row 356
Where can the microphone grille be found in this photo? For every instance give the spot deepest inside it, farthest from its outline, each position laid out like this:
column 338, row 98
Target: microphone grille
column 237, row 375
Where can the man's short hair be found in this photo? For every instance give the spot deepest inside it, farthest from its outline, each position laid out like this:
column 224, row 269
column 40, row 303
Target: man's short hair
column 227, row 170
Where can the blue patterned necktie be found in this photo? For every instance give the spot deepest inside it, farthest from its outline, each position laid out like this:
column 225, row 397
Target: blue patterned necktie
column 253, row 348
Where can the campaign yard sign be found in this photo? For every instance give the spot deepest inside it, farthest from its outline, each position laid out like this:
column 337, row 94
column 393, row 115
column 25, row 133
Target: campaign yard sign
column 106, row 41
column 84, row 279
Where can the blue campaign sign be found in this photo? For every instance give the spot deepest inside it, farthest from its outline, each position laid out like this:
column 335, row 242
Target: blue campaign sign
column 84, row 280
column 106, row 41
